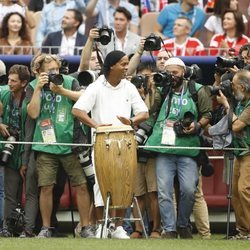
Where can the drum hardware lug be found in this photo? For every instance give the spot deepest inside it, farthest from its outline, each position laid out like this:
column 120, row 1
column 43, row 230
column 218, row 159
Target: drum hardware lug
column 107, row 143
column 119, row 146
column 129, row 143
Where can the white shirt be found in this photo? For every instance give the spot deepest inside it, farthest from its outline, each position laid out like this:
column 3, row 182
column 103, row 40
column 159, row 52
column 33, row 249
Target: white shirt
column 4, row 10
column 68, row 45
column 107, row 102
column 214, row 24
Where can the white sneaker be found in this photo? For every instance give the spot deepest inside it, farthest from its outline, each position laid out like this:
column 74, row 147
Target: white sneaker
column 78, row 229
column 119, row 233
column 98, row 232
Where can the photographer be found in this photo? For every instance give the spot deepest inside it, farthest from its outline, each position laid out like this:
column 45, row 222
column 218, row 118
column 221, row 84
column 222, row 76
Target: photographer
column 241, row 139
column 12, row 129
column 122, row 39
column 145, row 184
column 50, row 99
column 178, row 124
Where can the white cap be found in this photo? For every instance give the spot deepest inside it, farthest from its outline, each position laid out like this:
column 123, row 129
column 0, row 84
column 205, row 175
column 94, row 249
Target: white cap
column 2, row 68
column 175, row 61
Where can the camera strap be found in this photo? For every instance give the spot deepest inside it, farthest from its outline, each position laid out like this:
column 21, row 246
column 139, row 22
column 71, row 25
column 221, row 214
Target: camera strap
column 98, row 55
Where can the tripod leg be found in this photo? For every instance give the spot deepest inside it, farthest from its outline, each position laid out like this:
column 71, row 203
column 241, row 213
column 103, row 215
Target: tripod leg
column 71, row 209
column 105, row 224
column 229, row 196
column 141, row 219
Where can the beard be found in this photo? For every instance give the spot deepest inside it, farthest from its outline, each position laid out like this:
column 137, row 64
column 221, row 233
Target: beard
column 178, row 80
column 239, row 96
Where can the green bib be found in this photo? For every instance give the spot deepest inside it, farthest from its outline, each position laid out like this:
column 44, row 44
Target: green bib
column 11, row 118
column 242, row 139
column 57, row 108
column 180, row 104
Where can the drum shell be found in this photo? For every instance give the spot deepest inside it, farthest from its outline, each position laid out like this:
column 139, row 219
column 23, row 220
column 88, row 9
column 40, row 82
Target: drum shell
column 115, row 164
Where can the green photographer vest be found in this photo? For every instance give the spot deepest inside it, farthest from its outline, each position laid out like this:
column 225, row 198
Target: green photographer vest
column 13, row 116
column 180, row 104
column 58, row 109
column 242, row 139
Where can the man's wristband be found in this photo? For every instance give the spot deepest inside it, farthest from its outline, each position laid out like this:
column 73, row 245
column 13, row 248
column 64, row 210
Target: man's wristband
column 131, row 122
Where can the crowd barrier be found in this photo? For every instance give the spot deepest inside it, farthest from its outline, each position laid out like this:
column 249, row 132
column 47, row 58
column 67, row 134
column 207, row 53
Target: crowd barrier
column 215, row 190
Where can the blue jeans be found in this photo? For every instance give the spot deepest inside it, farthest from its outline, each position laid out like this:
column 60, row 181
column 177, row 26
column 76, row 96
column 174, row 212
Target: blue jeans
column 1, row 194
column 186, row 170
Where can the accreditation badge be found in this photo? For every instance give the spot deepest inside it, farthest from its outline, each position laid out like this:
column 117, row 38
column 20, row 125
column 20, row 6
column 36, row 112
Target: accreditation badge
column 61, row 115
column 47, row 130
column 168, row 134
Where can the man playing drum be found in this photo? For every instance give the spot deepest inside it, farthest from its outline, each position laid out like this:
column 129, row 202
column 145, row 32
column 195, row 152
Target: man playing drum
column 112, row 100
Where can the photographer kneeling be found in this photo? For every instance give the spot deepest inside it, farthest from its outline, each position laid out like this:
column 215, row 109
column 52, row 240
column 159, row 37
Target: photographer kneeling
column 241, row 139
column 178, row 124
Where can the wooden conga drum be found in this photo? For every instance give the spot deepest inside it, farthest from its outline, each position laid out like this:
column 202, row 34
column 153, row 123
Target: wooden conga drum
column 116, row 163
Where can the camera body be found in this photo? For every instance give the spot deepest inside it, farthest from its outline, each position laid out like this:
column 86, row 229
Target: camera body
column 140, row 81
column 105, row 34
column 9, row 146
column 152, row 43
column 57, row 79
column 193, row 72
column 225, row 87
column 180, row 125
column 223, row 62
column 143, row 132
column 162, row 79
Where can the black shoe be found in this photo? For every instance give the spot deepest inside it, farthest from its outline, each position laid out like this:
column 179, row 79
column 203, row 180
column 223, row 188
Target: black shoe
column 185, row 232
column 57, row 234
column 169, row 235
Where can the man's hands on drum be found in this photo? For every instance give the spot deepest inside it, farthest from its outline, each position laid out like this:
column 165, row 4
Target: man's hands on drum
column 124, row 120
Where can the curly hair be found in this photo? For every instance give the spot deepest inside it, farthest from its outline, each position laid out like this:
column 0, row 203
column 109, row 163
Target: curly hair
column 23, row 32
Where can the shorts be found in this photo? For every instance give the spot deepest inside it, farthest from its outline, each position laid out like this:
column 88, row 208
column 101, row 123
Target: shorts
column 47, row 166
column 145, row 180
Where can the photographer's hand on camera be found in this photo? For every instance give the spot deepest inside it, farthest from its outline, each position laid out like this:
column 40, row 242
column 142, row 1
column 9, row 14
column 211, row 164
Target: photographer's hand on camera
column 94, row 34
column 4, row 130
column 43, row 79
column 194, row 128
column 223, row 100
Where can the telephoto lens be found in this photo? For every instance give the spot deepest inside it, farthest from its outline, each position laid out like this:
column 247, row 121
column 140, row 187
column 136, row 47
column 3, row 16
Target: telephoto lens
column 7, row 150
column 87, row 166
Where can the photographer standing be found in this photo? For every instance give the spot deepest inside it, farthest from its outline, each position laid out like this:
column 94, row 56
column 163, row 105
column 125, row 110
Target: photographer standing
column 178, row 124
column 51, row 98
column 241, row 139
column 12, row 129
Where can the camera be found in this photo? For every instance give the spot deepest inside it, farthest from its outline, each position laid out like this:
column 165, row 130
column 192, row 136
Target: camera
column 180, row 125
column 87, row 166
column 193, row 72
column 162, row 79
column 9, row 146
column 152, row 43
column 223, row 62
column 105, row 34
column 140, row 81
column 15, row 222
column 86, row 77
column 225, row 87
column 64, row 69
column 143, row 132
column 57, row 79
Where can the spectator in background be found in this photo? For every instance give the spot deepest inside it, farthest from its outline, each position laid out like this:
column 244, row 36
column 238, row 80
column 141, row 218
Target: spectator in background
column 14, row 36
column 122, row 39
column 37, row 5
column 232, row 37
column 182, row 44
column 213, row 24
column 68, row 38
column 168, row 15
column 104, row 10
column 8, row 6
column 52, row 15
